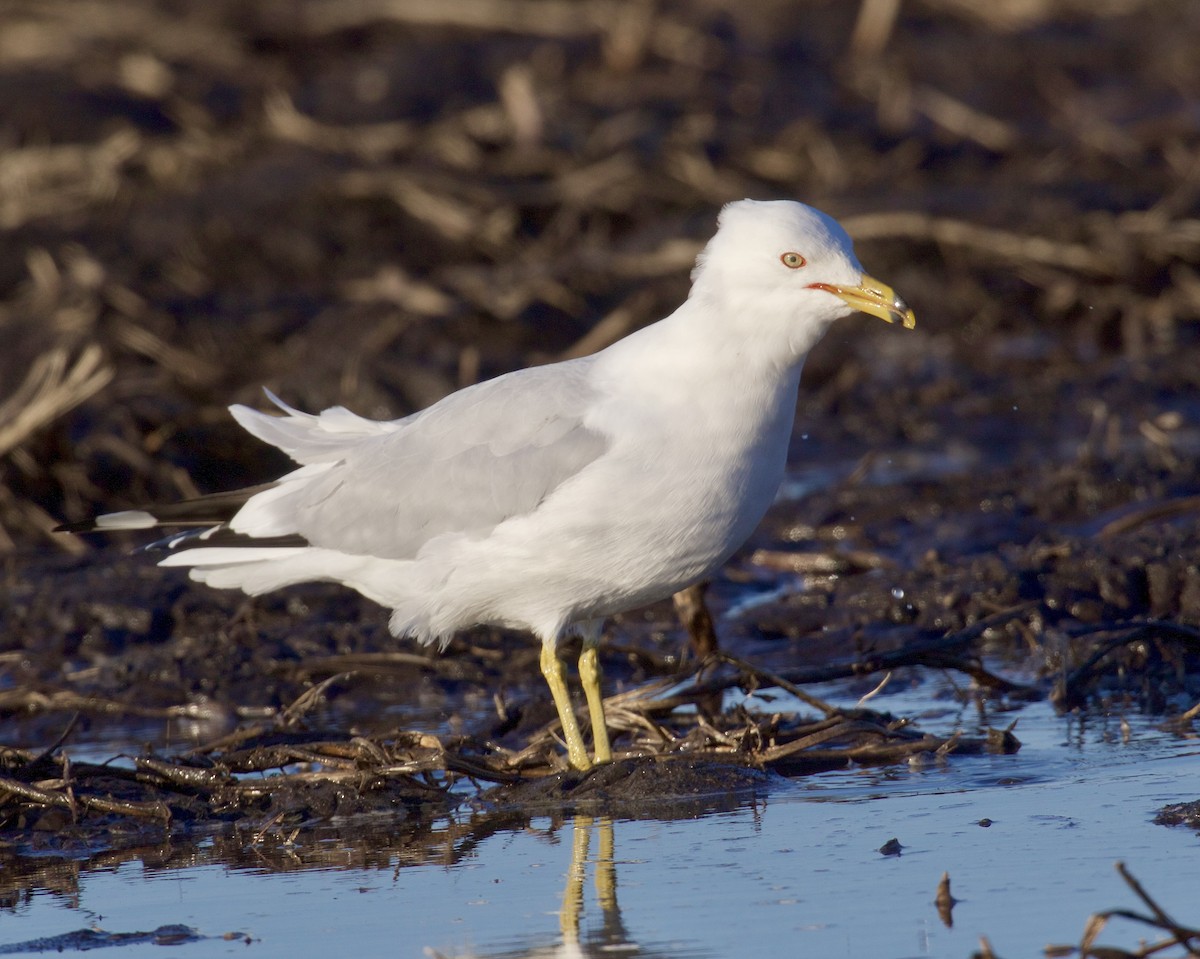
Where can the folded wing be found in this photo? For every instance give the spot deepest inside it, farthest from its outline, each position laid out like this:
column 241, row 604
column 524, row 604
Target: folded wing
column 464, row 465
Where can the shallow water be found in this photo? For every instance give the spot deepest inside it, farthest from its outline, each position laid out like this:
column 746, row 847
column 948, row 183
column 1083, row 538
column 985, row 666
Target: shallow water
column 799, row 873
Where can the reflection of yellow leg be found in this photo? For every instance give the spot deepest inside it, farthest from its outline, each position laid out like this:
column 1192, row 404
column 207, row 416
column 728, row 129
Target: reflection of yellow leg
column 552, row 669
column 572, row 905
column 589, row 677
column 606, row 869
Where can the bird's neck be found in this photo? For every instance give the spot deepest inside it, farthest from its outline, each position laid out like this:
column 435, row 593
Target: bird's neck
column 691, row 352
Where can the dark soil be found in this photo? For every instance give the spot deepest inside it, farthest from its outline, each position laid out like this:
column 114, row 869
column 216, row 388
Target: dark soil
column 351, row 205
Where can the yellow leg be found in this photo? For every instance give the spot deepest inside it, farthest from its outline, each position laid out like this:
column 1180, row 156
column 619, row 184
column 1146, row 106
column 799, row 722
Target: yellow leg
column 589, row 677
column 552, row 669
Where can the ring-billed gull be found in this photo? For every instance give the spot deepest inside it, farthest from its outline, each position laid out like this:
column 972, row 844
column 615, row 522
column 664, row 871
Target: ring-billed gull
column 552, row 497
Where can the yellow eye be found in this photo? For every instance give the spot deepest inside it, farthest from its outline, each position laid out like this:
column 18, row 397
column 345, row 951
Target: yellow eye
column 793, row 261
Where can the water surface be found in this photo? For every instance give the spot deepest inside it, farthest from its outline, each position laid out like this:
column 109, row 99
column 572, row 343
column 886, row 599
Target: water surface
column 796, row 873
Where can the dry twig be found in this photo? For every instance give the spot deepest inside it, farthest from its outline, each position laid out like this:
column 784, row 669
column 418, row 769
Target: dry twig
column 54, row 384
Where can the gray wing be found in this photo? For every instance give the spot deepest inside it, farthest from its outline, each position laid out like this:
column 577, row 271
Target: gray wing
column 478, row 457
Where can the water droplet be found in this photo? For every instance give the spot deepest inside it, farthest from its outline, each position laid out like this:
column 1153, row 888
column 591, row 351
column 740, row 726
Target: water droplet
column 897, row 593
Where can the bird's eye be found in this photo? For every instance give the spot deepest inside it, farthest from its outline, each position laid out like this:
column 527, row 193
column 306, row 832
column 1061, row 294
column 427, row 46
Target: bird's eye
column 793, row 261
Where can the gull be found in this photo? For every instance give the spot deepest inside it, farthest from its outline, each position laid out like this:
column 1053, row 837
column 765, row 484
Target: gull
column 550, row 498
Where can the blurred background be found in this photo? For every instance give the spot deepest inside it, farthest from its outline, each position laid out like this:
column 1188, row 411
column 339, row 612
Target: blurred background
column 374, row 202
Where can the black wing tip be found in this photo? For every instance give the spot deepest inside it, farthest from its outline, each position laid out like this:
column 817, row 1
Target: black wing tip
column 215, row 509
column 205, row 515
column 219, row 536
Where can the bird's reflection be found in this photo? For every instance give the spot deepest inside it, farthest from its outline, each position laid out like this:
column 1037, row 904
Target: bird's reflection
column 610, row 937
column 612, row 931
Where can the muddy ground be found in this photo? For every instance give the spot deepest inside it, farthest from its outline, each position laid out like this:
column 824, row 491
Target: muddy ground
column 373, row 204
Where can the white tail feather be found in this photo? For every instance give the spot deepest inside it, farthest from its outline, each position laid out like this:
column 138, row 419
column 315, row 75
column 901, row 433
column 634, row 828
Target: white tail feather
column 260, row 569
column 309, row 438
column 273, row 511
column 418, row 610
column 231, row 555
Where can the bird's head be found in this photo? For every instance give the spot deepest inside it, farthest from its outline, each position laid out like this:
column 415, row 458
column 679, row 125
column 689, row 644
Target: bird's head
column 780, row 261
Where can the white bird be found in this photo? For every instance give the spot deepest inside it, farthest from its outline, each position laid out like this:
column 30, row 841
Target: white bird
column 550, row 498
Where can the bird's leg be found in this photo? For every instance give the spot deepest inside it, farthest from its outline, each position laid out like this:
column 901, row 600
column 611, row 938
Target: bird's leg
column 589, row 678
column 552, row 669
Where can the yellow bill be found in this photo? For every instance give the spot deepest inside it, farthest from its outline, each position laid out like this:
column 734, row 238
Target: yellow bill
column 875, row 298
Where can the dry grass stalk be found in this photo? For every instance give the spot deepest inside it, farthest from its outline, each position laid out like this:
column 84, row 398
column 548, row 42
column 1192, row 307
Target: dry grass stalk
column 55, row 383
column 44, row 181
column 875, row 23
column 1010, row 16
column 547, row 18
column 315, row 760
column 1002, row 243
column 370, row 141
column 1177, row 935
